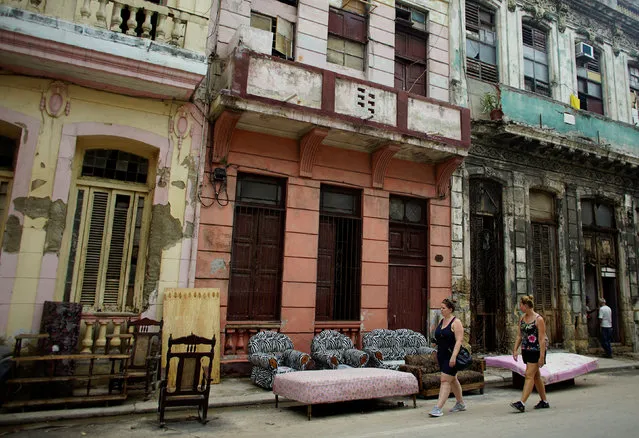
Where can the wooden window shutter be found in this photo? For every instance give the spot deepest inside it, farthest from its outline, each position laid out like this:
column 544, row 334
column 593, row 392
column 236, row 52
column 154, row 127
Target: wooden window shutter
column 117, row 260
column 347, row 25
column 544, row 265
column 472, row 17
column 336, row 22
column 94, row 244
column 284, row 37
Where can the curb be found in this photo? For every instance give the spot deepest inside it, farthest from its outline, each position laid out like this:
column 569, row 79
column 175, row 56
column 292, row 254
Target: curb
column 235, row 401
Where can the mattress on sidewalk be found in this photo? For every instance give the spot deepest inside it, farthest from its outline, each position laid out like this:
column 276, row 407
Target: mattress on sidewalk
column 559, row 366
column 329, row 386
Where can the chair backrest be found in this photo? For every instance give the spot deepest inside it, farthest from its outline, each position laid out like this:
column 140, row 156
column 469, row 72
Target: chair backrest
column 147, row 341
column 331, row 340
column 380, row 338
column 410, row 338
column 189, row 372
column 269, row 342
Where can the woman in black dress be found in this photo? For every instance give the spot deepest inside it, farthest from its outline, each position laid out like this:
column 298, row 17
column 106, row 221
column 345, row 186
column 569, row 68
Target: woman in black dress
column 532, row 338
column 449, row 336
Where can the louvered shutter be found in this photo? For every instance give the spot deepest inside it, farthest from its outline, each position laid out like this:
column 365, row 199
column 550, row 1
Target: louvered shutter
column 117, row 260
column 544, row 265
column 94, row 244
column 472, row 17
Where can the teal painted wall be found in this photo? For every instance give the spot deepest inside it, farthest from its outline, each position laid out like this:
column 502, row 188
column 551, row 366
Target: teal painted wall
column 526, row 107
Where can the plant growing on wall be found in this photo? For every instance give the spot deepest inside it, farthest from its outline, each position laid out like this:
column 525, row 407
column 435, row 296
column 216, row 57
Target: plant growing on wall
column 491, row 104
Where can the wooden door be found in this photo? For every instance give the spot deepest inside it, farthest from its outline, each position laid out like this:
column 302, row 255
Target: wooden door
column 256, row 264
column 545, row 279
column 407, row 293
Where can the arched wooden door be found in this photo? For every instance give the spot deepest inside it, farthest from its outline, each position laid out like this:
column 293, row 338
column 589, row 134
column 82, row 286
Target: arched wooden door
column 487, row 277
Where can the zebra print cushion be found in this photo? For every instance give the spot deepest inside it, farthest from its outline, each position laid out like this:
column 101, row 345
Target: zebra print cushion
column 269, row 342
column 330, row 348
column 393, row 345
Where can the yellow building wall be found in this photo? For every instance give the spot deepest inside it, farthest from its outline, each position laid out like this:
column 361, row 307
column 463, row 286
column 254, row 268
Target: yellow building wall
column 24, row 95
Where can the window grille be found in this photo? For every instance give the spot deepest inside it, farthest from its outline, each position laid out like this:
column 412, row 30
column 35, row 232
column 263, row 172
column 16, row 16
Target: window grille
column 339, row 255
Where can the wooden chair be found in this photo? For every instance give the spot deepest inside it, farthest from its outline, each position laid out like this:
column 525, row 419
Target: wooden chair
column 187, row 381
column 146, row 353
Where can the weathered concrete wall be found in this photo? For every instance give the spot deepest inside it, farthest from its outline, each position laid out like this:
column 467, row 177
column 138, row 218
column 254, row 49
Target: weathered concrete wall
column 36, row 241
column 519, row 173
column 265, row 154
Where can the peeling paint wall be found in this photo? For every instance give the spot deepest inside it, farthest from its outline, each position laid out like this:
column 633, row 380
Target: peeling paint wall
column 36, row 242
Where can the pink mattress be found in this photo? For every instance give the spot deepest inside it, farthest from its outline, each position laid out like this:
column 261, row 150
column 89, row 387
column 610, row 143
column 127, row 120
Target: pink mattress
column 329, row 386
column 559, row 366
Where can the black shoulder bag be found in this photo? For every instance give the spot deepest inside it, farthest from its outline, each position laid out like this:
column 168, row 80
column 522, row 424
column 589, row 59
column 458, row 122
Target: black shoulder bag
column 464, row 359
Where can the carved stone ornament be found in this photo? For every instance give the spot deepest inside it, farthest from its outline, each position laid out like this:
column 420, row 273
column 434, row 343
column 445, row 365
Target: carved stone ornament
column 55, row 100
column 512, row 5
column 182, row 124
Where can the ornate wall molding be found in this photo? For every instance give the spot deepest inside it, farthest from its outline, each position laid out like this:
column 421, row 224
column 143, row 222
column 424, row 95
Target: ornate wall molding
column 55, row 100
column 222, row 134
column 527, row 161
column 182, row 124
column 380, row 159
column 309, row 145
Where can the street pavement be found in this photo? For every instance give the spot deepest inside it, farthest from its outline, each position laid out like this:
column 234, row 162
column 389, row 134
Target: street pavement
column 598, row 405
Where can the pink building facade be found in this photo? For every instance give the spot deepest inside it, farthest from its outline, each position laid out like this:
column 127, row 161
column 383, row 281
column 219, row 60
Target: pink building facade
column 326, row 197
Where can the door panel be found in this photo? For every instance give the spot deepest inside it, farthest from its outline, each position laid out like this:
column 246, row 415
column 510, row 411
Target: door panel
column 407, row 277
column 243, row 263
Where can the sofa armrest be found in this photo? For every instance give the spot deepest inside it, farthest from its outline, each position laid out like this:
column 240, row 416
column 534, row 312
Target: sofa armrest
column 479, row 365
column 426, row 350
column 264, row 360
column 355, row 358
column 296, row 359
column 415, row 371
column 325, row 359
column 375, row 356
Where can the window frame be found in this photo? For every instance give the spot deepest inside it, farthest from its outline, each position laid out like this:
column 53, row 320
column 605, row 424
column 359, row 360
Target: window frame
column 404, row 27
column 339, row 30
column 537, row 85
column 586, row 81
column 474, row 34
column 89, row 183
column 274, row 34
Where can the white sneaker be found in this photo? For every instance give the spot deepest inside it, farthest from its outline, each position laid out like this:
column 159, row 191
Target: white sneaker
column 436, row 412
column 458, row 407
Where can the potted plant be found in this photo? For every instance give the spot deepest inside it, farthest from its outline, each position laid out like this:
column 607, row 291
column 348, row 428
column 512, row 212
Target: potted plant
column 491, row 105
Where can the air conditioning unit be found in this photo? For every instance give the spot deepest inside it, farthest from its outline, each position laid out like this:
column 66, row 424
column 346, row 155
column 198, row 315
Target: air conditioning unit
column 584, row 52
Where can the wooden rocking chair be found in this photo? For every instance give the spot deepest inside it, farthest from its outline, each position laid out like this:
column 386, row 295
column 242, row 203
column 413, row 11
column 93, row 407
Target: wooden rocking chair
column 146, row 353
column 187, row 381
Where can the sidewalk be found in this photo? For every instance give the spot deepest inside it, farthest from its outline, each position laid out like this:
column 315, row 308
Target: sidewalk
column 241, row 392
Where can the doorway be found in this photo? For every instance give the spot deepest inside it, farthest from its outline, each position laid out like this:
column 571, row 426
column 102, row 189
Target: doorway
column 487, row 277
column 407, row 292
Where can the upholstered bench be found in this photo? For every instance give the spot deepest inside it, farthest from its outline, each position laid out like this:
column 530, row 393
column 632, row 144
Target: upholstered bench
column 331, row 386
column 559, row 367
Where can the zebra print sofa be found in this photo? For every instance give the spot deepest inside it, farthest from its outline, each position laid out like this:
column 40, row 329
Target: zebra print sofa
column 272, row 353
column 330, row 349
column 388, row 348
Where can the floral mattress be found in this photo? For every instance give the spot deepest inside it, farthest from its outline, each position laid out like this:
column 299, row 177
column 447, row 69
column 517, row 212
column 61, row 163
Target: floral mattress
column 559, row 366
column 329, row 386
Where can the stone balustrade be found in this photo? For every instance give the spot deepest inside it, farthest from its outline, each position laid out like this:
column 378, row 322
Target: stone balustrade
column 139, row 18
column 29, row 5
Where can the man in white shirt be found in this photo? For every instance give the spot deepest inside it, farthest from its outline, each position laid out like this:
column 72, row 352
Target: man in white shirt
column 605, row 318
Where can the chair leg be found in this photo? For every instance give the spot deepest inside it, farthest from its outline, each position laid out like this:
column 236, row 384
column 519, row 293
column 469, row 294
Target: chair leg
column 414, row 401
column 277, row 400
column 203, row 411
column 309, row 409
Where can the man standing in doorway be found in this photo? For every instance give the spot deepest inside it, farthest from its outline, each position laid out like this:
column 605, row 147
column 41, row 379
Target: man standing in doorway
column 605, row 318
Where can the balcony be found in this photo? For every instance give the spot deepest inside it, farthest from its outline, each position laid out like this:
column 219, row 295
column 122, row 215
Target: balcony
column 131, row 47
column 274, row 96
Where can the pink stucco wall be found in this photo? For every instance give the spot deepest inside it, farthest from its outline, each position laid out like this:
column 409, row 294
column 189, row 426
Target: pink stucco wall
column 260, row 153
